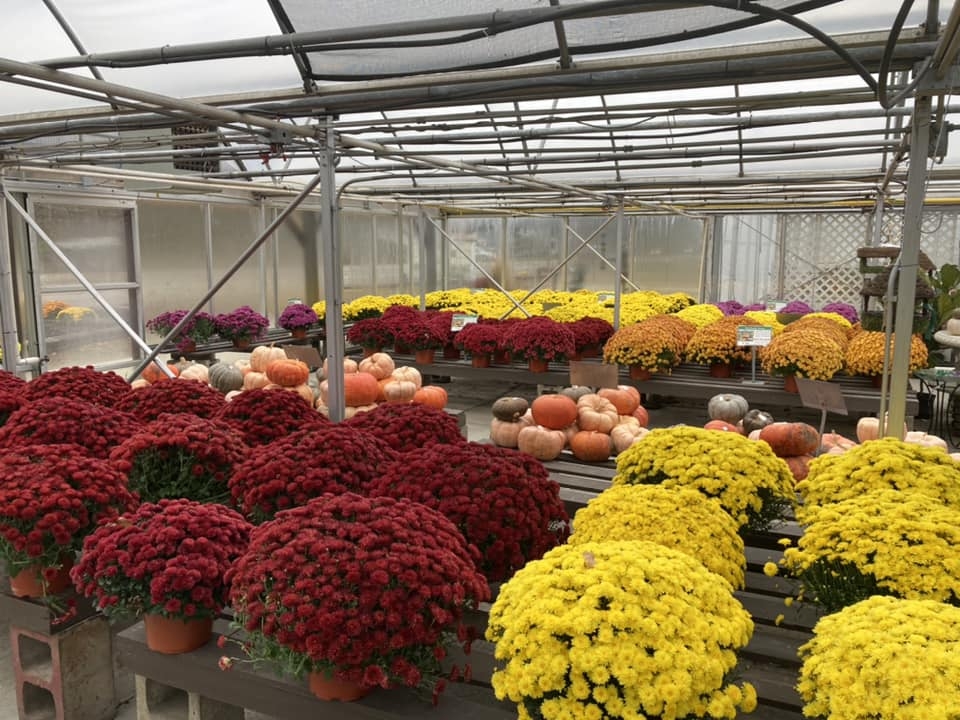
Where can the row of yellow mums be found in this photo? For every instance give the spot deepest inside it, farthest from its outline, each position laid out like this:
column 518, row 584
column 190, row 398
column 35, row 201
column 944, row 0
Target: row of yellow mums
column 878, row 553
column 635, row 616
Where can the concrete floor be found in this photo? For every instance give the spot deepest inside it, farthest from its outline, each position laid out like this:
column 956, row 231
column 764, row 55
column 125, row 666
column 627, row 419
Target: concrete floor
column 474, row 400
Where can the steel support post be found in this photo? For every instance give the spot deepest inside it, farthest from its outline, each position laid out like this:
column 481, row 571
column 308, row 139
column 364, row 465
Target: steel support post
column 332, row 275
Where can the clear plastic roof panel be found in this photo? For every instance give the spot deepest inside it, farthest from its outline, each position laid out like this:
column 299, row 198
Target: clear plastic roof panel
column 471, row 34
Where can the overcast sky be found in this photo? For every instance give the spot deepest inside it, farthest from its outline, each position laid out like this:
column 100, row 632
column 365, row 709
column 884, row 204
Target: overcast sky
column 31, row 33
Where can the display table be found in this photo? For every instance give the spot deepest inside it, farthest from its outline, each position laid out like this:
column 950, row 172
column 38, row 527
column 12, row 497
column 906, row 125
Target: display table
column 944, row 384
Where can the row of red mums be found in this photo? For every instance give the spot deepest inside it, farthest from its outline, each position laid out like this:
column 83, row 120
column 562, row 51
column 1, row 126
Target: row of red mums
column 390, row 525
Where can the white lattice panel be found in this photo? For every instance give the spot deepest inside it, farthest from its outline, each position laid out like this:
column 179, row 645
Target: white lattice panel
column 819, row 259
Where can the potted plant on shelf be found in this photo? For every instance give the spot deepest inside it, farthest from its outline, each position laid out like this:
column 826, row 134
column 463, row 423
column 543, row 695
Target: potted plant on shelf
column 372, row 334
column 167, row 562
column 539, row 340
column 420, row 335
column 200, row 328
column 480, row 341
column 297, row 318
column 864, row 354
column 793, row 310
column 242, row 326
column 180, row 456
column 589, row 335
column 921, row 635
column 653, row 345
column 51, row 497
column 807, row 353
column 597, row 629
column 357, row 592
column 715, row 345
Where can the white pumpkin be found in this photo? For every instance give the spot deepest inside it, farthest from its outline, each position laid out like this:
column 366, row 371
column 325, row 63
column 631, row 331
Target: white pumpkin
column 626, row 434
column 411, row 374
column 728, row 407
column 596, row 413
column 380, row 365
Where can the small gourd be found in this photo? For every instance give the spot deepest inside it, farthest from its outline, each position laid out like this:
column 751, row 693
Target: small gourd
column 756, row 420
column 509, row 409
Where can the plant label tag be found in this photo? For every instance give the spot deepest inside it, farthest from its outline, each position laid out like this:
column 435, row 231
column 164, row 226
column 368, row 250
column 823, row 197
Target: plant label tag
column 460, row 320
column 754, row 335
column 821, row 395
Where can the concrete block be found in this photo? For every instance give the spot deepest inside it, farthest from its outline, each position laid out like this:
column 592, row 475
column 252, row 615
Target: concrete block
column 67, row 675
column 156, row 701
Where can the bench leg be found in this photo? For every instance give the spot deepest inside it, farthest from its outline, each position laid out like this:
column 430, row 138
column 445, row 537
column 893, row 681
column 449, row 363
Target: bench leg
column 154, row 700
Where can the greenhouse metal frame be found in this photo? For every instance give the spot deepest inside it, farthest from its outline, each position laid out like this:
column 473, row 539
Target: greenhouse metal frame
column 571, row 123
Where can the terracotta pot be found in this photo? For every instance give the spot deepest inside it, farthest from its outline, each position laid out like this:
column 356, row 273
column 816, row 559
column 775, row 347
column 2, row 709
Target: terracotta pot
column 241, row 344
column 638, row 372
column 790, row 384
column 480, row 361
column 720, row 370
column 329, row 688
column 299, row 333
column 368, row 351
column 424, row 357
column 28, row 582
column 502, row 357
column 188, row 346
column 538, row 366
column 173, row 636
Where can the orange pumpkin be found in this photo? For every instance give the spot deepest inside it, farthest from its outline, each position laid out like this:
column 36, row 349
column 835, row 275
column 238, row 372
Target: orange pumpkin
column 541, row 442
column 722, row 425
column 152, row 372
column 621, row 397
column 554, row 412
column 596, row 413
column 263, row 355
column 432, row 396
column 360, row 389
column 288, row 372
column 195, row 371
column 380, row 365
column 591, row 446
column 799, row 466
column 832, row 440
column 642, row 416
column 789, row 439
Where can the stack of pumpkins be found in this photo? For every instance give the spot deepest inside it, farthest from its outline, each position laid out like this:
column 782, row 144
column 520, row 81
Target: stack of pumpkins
column 377, row 379
column 593, row 425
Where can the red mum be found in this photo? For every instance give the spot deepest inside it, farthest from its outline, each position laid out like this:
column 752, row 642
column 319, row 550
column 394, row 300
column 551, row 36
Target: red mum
column 406, row 427
column 179, row 396
column 78, row 383
column 263, row 416
column 501, row 500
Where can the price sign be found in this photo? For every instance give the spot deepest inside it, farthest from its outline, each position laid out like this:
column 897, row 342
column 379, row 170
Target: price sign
column 460, row 320
column 775, row 305
column 754, row 335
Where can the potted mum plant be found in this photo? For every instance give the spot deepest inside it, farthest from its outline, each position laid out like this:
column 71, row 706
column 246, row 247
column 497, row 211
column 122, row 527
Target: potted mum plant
column 51, row 497
column 652, row 345
column 921, row 635
column 715, row 345
column 619, row 629
column 372, row 334
column 420, row 335
column 242, row 326
column 180, row 456
column 384, row 584
column 200, row 328
column 746, row 478
column 502, row 501
column 297, row 318
column 167, row 562
column 480, row 341
column 807, row 353
column 539, row 340
column 864, row 355
column 589, row 335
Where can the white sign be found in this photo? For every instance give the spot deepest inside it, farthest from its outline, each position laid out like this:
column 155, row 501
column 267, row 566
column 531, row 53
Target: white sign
column 775, row 305
column 459, row 320
column 754, row 335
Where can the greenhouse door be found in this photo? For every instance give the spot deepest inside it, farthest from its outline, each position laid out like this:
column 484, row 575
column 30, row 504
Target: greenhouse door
column 99, row 241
